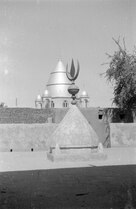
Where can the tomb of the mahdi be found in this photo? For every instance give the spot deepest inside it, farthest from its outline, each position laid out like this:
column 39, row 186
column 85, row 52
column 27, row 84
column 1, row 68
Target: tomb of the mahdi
column 56, row 94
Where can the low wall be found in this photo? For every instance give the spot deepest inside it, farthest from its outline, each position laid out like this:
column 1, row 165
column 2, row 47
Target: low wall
column 22, row 129
column 24, row 137
column 33, row 116
column 123, row 134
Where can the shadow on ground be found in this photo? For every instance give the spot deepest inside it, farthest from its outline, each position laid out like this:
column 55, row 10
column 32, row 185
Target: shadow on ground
column 88, row 187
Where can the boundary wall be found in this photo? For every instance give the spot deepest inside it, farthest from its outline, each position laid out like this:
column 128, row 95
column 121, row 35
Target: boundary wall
column 26, row 129
column 25, row 137
column 123, row 134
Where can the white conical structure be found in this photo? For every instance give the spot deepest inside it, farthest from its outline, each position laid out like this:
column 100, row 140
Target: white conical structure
column 58, row 82
column 74, row 131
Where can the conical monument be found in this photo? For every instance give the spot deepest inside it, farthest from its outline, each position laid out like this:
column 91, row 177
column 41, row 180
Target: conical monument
column 74, row 131
column 74, row 137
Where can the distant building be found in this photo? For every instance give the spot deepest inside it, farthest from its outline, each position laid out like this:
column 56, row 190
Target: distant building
column 56, row 94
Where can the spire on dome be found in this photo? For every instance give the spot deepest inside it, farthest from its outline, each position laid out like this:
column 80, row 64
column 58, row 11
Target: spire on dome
column 60, row 67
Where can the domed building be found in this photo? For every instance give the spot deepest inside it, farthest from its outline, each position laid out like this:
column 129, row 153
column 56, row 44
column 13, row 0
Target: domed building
column 84, row 99
column 56, row 94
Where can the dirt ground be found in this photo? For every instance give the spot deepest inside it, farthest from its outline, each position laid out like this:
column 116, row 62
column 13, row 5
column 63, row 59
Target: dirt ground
column 106, row 187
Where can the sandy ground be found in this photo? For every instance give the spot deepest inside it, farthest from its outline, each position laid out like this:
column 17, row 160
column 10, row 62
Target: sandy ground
column 103, row 187
column 30, row 181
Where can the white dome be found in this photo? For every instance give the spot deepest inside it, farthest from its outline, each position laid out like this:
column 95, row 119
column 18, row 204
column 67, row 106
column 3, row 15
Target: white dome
column 58, row 82
column 38, row 98
column 46, row 93
column 84, row 94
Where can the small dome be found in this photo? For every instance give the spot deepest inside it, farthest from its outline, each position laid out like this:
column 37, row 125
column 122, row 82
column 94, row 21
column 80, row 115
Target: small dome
column 46, row 93
column 38, row 98
column 84, row 94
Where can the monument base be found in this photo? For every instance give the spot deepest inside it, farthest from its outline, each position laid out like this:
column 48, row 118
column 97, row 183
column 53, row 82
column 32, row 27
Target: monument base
column 75, row 155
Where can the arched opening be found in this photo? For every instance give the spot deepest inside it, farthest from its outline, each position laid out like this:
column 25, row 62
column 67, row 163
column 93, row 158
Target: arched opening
column 52, row 104
column 65, row 103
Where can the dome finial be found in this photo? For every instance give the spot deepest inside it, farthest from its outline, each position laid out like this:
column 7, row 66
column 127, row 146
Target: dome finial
column 73, row 74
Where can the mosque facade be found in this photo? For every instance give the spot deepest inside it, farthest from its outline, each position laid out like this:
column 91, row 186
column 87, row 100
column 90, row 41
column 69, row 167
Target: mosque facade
column 56, row 94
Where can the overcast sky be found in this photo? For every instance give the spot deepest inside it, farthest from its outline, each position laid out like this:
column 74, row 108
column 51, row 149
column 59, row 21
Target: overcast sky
column 35, row 34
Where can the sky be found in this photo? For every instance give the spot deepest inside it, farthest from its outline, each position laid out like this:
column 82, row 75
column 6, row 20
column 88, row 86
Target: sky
column 35, row 34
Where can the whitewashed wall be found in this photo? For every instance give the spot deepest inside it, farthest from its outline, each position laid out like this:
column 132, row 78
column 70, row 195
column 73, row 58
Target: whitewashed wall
column 123, row 134
column 24, row 137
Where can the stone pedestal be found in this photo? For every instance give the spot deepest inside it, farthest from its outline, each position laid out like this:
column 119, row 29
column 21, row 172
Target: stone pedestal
column 76, row 155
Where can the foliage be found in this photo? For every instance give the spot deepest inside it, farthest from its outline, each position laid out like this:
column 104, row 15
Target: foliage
column 2, row 104
column 122, row 74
